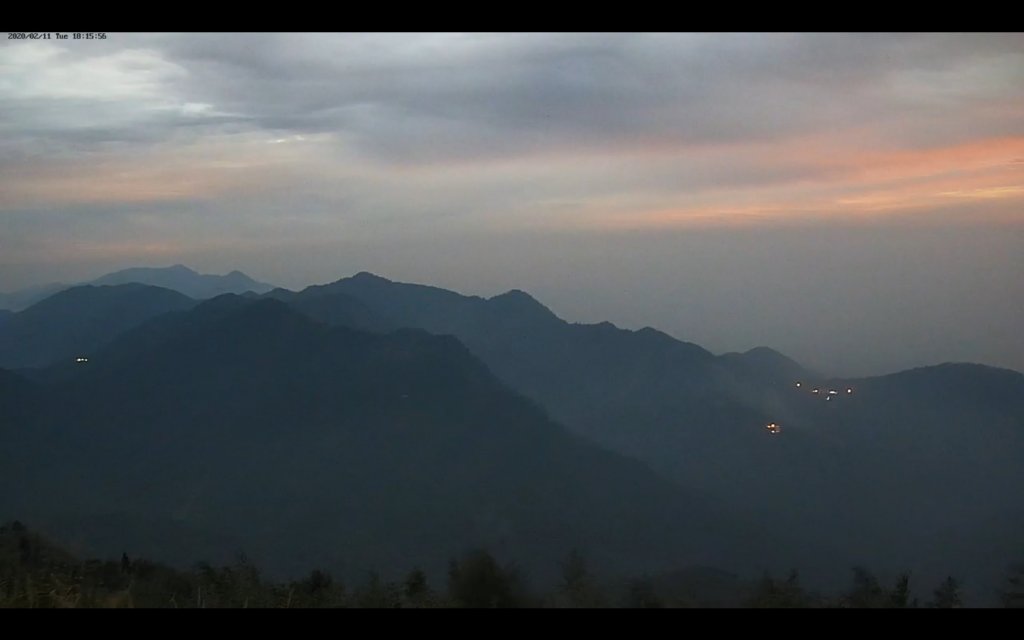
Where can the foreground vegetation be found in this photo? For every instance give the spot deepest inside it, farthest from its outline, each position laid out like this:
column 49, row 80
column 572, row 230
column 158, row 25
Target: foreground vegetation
column 35, row 573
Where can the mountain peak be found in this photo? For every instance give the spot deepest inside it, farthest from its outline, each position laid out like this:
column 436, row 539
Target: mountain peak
column 764, row 352
column 516, row 295
column 366, row 276
column 519, row 302
column 764, row 361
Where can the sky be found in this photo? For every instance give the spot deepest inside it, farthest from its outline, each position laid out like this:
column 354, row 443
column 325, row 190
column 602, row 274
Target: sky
column 855, row 201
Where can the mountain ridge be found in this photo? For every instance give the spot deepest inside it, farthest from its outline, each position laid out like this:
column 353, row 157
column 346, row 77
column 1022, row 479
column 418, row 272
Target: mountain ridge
column 75, row 321
column 245, row 420
column 177, row 277
column 855, row 463
column 702, row 420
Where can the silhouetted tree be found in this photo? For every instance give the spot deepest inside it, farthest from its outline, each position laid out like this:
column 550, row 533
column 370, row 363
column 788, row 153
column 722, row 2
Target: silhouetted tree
column 770, row 593
column 899, row 597
column 318, row 589
column 1012, row 593
column 377, row 594
column 642, row 595
column 866, row 591
column 479, row 582
column 947, row 595
column 318, row 581
column 578, row 587
column 246, row 587
column 416, row 589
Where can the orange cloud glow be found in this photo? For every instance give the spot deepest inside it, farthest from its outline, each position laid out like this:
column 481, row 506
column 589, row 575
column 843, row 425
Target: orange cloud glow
column 845, row 183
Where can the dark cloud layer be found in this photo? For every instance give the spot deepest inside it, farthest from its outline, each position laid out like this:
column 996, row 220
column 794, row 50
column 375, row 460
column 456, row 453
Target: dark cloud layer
column 432, row 97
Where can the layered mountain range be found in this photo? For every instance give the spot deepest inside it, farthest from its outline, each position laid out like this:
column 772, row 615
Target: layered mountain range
column 374, row 424
column 178, row 277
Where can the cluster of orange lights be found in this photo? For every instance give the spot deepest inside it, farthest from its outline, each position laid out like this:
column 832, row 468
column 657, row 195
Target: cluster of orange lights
column 773, row 428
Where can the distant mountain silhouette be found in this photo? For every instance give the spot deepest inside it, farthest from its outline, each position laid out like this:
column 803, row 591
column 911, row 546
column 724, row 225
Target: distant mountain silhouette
column 177, row 278
column 607, row 383
column 76, row 321
column 315, row 445
column 184, row 280
column 884, row 472
column 23, row 298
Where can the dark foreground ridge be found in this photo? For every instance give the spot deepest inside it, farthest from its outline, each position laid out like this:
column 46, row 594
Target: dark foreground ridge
column 34, row 573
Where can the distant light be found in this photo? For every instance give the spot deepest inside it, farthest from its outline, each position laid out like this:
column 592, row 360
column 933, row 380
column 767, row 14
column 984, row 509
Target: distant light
column 815, row 391
column 80, row 359
column 832, row 392
column 798, row 384
column 849, row 391
column 773, row 428
column 828, row 398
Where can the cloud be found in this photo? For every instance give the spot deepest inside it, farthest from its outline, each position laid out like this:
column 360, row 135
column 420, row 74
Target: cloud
column 379, row 134
column 429, row 98
column 423, row 99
